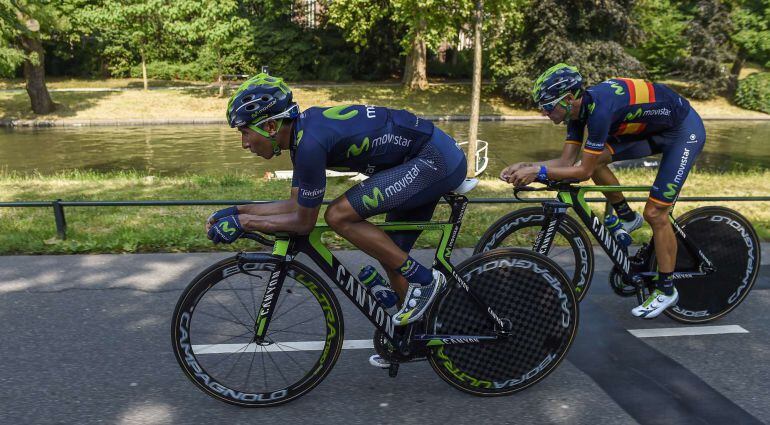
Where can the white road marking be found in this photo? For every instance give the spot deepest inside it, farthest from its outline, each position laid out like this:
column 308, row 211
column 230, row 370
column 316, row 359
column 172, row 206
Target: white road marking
column 357, row 344
column 349, row 344
column 688, row 331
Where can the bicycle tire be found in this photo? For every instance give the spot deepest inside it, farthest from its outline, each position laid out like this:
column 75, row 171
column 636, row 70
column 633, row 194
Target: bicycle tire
column 213, row 304
column 529, row 289
column 731, row 244
column 526, row 223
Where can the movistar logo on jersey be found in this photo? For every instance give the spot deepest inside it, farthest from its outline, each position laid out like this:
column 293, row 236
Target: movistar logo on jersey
column 335, row 113
column 358, row 150
column 634, row 115
column 618, row 89
column 374, row 201
column 225, row 227
column 671, row 191
column 591, row 107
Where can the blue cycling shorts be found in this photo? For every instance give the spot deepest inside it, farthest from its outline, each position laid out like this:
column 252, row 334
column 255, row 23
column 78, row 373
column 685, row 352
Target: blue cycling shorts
column 680, row 147
column 411, row 191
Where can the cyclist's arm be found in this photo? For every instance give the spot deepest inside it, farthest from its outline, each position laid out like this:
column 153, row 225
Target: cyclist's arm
column 568, row 157
column 272, row 208
column 581, row 172
column 301, row 221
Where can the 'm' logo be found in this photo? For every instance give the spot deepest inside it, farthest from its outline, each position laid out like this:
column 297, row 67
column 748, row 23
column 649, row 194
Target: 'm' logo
column 407, row 266
column 335, row 113
column 299, row 136
column 356, row 150
column 671, row 191
column 225, row 227
column 618, row 88
column 634, row 115
column 591, row 107
column 374, row 201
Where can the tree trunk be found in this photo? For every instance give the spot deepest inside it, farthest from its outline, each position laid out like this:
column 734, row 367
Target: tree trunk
column 735, row 72
column 415, row 73
column 34, row 73
column 144, row 69
column 476, row 90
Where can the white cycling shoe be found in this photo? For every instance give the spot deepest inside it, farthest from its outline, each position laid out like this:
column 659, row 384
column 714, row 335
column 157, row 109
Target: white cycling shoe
column 655, row 304
column 630, row 226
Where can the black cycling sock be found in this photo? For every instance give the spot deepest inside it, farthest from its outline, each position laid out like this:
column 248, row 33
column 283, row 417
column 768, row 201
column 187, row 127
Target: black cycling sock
column 665, row 283
column 624, row 211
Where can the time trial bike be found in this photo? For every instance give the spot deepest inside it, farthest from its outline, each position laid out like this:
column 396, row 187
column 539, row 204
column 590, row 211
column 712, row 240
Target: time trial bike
column 718, row 254
column 259, row 329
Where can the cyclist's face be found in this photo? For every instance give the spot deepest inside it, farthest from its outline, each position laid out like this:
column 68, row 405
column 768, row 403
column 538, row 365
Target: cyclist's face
column 558, row 114
column 256, row 143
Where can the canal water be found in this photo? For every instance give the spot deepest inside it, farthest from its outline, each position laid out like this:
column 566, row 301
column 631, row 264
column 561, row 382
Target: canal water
column 216, row 149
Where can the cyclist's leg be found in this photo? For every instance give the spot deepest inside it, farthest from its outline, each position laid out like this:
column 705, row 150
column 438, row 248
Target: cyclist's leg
column 680, row 147
column 438, row 168
column 604, row 176
column 406, row 239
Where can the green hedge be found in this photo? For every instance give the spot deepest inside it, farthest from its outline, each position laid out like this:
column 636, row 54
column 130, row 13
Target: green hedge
column 754, row 92
column 174, row 71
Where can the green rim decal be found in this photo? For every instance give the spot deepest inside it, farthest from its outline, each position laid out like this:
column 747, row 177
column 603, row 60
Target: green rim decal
column 331, row 320
column 459, row 374
column 315, row 242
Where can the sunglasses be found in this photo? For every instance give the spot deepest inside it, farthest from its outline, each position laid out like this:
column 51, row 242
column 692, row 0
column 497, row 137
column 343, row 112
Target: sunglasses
column 548, row 107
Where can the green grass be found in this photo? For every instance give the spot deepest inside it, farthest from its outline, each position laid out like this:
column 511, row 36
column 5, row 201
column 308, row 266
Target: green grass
column 180, row 229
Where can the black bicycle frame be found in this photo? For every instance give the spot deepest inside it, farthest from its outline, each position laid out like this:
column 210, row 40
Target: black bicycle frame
column 570, row 195
column 286, row 248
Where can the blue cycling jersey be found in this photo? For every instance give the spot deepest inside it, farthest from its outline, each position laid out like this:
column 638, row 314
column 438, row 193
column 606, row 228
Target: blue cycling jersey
column 360, row 138
column 623, row 110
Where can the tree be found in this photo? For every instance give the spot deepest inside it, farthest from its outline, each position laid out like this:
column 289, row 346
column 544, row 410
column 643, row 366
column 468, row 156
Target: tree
column 129, row 27
column 23, row 26
column 663, row 43
column 218, row 26
column 708, row 34
column 426, row 23
column 751, row 20
column 592, row 35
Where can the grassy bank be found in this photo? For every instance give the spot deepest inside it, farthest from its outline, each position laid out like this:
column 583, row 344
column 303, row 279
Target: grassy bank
column 178, row 229
column 203, row 103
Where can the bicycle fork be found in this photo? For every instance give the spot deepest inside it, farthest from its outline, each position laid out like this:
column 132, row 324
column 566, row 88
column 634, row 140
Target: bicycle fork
column 554, row 212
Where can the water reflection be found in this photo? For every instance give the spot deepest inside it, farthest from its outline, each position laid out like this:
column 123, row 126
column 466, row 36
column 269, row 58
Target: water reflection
column 171, row 150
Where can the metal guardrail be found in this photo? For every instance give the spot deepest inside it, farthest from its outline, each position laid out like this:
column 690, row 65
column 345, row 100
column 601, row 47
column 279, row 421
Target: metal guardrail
column 61, row 221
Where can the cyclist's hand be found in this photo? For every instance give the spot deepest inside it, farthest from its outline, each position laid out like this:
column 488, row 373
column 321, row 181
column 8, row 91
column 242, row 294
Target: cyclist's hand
column 226, row 230
column 217, row 215
column 507, row 174
column 524, row 176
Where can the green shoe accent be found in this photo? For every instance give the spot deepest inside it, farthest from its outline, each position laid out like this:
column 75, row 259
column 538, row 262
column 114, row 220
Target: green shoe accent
column 652, row 297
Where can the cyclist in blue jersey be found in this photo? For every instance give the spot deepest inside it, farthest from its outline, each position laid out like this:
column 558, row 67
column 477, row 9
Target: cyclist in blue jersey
column 410, row 164
column 625, row 119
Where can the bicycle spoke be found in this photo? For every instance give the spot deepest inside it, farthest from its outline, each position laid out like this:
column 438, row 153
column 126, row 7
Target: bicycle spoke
column 278, row 344
column 296, row 324
column 230, row 312
column 277, row 367
column 252, row 317
column 287, row 311
column 236, row 322
column 298, row 333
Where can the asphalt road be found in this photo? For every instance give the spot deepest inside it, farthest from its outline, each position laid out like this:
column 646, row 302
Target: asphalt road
column 85, row 340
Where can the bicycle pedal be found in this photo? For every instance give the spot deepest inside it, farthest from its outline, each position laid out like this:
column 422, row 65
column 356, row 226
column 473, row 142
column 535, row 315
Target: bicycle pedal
column 393, row 370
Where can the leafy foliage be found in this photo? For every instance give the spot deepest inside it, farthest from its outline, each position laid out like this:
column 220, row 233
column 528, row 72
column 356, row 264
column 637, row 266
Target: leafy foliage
column 587, row 34
column 754, row 92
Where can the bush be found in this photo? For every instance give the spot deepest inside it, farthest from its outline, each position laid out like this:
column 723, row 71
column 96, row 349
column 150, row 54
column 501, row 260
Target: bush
column 754, row 92
column 162, row 70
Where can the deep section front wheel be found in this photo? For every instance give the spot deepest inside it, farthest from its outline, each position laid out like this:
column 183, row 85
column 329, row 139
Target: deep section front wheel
column 526, row 290
column 571, row 248
column 729, row 241
column 214, row 327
